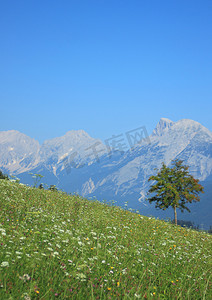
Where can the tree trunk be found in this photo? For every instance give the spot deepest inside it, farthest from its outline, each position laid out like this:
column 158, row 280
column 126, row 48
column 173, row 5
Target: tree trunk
column 175, row 215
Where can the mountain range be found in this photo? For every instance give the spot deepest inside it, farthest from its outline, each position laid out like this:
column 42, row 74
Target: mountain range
column 78, row 163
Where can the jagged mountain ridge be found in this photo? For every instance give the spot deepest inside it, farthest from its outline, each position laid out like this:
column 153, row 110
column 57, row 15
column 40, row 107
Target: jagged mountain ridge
column 185, row 139
column 20, row 153
column 123, row 176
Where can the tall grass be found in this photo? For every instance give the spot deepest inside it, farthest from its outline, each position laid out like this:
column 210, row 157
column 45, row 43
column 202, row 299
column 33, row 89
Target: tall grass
column 56, row 246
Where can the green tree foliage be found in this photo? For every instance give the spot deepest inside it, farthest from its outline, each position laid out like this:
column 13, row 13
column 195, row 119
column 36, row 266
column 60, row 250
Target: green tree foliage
column 174, row 187
column 41, row 186
column 3, row 176
column 53, row 188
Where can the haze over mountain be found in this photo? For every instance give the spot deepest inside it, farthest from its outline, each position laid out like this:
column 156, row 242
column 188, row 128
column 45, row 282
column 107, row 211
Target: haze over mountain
column 72, row 164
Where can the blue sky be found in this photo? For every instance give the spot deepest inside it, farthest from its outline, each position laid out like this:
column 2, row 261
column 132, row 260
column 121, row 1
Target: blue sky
column 104, row 66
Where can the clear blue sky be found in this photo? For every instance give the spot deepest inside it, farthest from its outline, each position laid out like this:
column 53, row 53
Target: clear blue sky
column 105, row 66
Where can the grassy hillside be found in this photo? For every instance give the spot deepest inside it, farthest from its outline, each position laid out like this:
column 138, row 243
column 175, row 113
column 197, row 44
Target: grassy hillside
column 55, row 246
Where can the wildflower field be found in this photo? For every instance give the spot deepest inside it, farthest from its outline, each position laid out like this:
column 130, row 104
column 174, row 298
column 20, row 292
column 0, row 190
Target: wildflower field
column 57, row 246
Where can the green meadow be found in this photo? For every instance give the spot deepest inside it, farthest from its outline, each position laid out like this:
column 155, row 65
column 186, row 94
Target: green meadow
column 59, row 246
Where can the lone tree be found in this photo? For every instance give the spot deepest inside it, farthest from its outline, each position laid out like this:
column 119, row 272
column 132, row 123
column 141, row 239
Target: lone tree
column 174, row 187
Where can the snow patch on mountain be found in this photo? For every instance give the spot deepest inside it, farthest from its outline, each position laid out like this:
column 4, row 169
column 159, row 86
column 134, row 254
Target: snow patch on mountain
column 122, row 174
column 18, row 152
column 186, row 139
column 88, row 187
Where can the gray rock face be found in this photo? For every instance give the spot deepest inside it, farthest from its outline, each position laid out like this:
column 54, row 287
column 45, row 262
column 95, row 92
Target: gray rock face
column 75, row 145
column 163, row 125
column 70, row 162
column 185, row 139
column 18, row 152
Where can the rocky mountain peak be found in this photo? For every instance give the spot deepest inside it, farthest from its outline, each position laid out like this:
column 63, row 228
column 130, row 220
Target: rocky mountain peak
column 162, row 126
column 79, row 133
